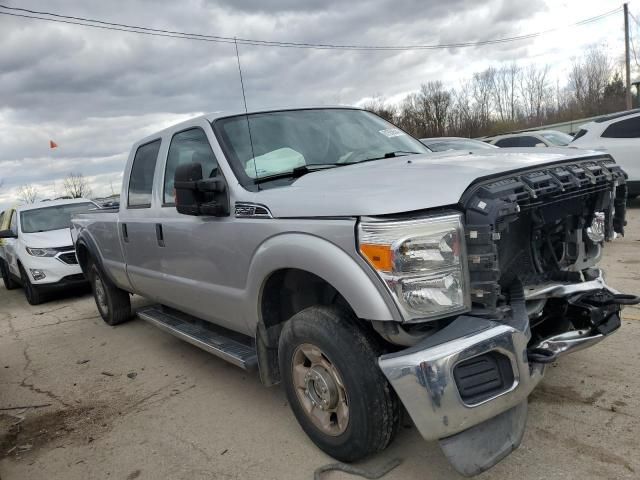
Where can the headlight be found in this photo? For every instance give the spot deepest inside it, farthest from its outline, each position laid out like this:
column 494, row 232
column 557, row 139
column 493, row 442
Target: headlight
column 42, row 252
column 421, row 261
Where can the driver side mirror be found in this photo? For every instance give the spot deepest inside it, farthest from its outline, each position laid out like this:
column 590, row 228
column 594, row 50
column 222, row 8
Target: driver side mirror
column 540, row 144
column 7, row 234
column 195, row 196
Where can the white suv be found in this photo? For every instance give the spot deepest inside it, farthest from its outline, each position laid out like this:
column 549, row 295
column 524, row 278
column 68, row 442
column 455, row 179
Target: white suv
column 618, row 135
column 38, row 251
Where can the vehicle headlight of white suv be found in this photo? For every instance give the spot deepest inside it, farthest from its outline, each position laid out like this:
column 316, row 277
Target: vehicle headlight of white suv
column 422, row 262
column 42, row 252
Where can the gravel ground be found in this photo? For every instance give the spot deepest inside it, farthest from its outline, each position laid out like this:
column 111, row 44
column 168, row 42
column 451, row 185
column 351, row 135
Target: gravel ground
column 134, row 402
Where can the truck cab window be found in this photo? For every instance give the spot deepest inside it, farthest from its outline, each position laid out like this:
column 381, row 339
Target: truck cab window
column 188, row 146
column 141, row 180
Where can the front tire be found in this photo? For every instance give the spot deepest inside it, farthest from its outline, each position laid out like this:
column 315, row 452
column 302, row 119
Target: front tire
column 339, row 395
column 32, row 292
column 113, row 303
column 9, row 282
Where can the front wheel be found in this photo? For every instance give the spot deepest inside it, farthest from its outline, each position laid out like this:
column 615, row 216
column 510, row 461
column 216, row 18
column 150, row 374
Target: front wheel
column 113, row 303
column 329, row 367
column 31, row 291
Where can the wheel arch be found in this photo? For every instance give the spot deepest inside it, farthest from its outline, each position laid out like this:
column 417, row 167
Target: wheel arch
column 291, row 272
column 86, row 250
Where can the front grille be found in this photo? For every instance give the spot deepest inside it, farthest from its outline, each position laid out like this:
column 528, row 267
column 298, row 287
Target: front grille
column 483, row 377
column 513, row 223
column 69, row 258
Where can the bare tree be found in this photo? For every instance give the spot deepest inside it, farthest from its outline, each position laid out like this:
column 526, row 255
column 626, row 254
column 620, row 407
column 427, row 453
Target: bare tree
column 496, row 100
column 588, row 78
column 505, row 97
column 76, row 185
column 379, row 106
column 482, row 87
column 437, row 101
column 535, row 92
column 409, row 116
column 27, row 194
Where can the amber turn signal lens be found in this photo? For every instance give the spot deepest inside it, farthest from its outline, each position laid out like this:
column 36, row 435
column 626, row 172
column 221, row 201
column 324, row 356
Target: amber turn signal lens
column 379, row 256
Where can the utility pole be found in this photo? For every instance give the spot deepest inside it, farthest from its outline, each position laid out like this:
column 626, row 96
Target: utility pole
column 627, row 62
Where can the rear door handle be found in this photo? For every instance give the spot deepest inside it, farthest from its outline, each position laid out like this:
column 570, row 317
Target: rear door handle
column 159, row 234
column 125, row 234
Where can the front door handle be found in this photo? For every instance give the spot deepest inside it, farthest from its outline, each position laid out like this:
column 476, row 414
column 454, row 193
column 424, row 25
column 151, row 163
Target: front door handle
column 159, row 234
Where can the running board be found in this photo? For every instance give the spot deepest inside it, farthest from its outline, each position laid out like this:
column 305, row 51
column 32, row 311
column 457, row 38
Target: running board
column 230, row 346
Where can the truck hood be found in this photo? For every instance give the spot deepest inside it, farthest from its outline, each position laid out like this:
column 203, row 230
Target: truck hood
column 402, row 184
column 51, row 239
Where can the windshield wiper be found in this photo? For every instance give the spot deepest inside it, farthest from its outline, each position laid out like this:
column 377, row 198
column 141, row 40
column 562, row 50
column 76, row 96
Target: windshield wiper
column 395, row 153
column 298, row 171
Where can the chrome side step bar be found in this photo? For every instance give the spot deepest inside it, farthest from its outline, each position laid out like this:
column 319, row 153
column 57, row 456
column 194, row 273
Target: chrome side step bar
column 229, row 346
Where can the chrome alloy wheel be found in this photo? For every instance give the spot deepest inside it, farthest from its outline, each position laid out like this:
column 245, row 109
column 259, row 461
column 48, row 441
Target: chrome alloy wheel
column 320, row 390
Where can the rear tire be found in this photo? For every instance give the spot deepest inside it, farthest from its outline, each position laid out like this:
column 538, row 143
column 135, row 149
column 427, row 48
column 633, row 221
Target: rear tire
column 9, row 282
column 113, row 303
column 323, row 350
column 32, row 292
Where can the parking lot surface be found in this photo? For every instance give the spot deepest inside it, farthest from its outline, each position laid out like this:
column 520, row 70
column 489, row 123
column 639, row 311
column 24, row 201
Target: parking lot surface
column 134, row 402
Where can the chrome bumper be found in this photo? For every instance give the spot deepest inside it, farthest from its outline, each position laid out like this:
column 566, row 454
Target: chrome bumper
column 423, row 377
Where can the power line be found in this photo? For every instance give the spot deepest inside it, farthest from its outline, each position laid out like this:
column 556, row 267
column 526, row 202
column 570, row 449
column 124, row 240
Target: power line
column 101, row 24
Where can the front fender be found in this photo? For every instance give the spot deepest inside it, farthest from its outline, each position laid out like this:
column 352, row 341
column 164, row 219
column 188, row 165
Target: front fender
column 326, row 260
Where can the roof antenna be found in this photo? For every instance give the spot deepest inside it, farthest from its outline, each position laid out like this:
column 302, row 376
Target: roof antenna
column 246, row 112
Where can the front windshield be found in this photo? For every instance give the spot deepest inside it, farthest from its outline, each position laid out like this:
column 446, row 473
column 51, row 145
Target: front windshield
column 462, row 144
column 285, row 140
column 558, row 138
column 51, row 218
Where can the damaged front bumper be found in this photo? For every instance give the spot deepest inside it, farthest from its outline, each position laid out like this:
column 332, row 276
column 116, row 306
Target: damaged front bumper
column 468, row 384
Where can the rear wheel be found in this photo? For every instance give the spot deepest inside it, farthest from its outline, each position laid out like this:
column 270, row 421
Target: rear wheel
column 333, row 383
column 31, row 292
column 113, row 303
column 9, row 282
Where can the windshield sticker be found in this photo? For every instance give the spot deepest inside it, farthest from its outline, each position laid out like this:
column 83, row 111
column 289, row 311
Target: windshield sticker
column 392, row 132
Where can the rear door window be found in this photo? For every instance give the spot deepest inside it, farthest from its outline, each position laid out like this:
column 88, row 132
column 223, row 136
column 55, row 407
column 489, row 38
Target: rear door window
column 142, row 171
column 188, row 146
column 628, row 128
column 529, row 141
column 508, row 142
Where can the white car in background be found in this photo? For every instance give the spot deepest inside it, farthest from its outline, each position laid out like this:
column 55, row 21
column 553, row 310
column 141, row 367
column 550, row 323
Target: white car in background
column 38, row 252
column 538, row 138
column 618, row 135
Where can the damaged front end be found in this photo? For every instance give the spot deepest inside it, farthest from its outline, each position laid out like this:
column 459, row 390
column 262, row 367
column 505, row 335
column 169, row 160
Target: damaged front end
column 533, row 240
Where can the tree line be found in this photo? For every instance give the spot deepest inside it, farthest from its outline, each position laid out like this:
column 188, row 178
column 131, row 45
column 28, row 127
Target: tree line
column 74, row 185
column 511, row 97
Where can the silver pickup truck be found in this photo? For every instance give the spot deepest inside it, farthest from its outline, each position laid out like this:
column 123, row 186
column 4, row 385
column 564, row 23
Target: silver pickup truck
column 337, row 255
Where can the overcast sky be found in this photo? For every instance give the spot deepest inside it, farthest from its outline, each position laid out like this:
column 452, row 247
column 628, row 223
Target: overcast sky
column 95, row 92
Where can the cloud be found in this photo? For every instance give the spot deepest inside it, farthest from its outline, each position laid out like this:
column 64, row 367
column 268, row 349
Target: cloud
column 96, row 92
